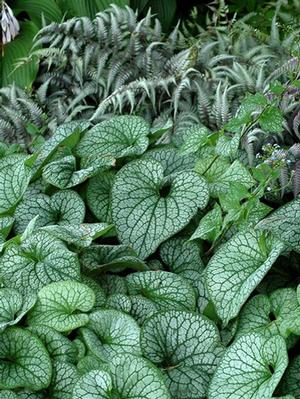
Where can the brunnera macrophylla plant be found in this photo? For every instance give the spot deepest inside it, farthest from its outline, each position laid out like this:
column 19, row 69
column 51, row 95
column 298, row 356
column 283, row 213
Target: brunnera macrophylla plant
column 135, row 269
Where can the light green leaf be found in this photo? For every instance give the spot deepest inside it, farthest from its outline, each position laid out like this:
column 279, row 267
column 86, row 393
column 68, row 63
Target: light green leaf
column 63, row 174
column 62, row 306
column 59, row 347
column 14, row 179
column 148, row 208
column 194, row 138
column 228, row 146
column 100, row 297
column 114, row 332
column 271, row 120
column 210, row 225
column 284, row 223
column 250, row 369
column 62, row 208
column 266, row 314
column 24, row 361
column 63, row 380
column 119, row 302
column 118, row 137
column 14, row 306
column 211, row 167
column 81, row 235
column 16, row 49
column 166, row 290
column 141, row 308
column 114, row 258
column 171, row 160
column 129, row 377
column 89, row 363
column 237, row 268
column 187, row 347
column 104, row 4
column 38, row 261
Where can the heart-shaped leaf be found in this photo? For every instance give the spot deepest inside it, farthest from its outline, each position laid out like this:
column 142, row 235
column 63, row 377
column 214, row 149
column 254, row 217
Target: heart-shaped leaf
column 62, row 306
column 250, row 369
column 119, row 137
column 166, row 290
column 24, row 361
column 237, row 268
column 128, row 377
column 38, row 261
column 148, row 208
column 63, row 207
column 187, row 347
column 114, row 333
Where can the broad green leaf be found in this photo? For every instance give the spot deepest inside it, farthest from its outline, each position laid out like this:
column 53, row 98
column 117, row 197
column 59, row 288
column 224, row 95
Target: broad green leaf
column 237, row 268
column 36, row 8
column 250, row 369
column 271, row 120
column 194, row 138
column 64, row 377
column 291, row 380
column 38, row 261
column 114, row 258
column 165, row 10
column 141, row 308
column 59, row 347
column 211, row 167
column 129, row 377
column 63, row 172
column 98, row 195
column 284, row 223
column 210, row 225
column 171, row 160
column 118, row 137
column 181, row 256
column 104, row 4
column 14, row 306
column 81, row 235
column 14, row 179
column 24, row 361
column 148, row 208
column 112, row 284
column 291, row 322
column 62, row 306
column 114, row 332
column 166, row 290
column 88, row 363
column 228, row 146
column 236, row 173
column 266, row 314
column 187, row 347
column 100, row 297
column 19, row 48
column 62, row 208
column 8, row 395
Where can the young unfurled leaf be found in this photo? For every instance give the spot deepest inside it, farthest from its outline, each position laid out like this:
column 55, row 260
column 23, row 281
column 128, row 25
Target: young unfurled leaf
column 63, row 207
column 166, row 290
column 128, row 376
column 119, row 137
column 24, row 361
column 114, row 332
column 251, row 368
column 186, row 347
column 14, row 306
column 62, row 306
column 98, row 195
column 14, row 179
column 237, row 268
column 148, row 208
column 38, row 261
column 63, row 174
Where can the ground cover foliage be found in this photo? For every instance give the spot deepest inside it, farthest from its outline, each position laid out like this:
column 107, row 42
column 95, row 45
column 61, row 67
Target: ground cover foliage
column 149, row 201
